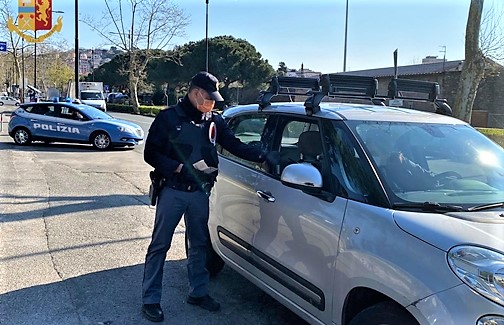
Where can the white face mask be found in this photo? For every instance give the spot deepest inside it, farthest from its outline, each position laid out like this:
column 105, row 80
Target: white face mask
column 205, row 105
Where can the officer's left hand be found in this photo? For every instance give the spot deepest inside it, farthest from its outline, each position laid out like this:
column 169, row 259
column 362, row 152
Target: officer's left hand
column 272, row 159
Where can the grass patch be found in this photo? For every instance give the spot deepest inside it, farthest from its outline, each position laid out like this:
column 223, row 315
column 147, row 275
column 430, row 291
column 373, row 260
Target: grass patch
column 496, row 135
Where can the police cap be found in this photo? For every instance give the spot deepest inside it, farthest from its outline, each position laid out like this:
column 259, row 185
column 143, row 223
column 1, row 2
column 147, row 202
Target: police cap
column 208, row 82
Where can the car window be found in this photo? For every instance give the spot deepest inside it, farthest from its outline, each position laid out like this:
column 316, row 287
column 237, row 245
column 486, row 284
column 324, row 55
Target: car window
column 290, row 128
column 349, row 168
column 249, row 129
column 52, row 110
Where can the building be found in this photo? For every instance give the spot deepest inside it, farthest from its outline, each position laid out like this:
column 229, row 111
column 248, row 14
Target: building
column 488, row 110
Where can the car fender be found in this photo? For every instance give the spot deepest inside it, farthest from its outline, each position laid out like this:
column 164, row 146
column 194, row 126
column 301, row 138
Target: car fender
column 375, row 253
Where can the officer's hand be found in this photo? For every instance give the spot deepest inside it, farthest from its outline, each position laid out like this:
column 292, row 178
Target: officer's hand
column 272, row 159
column 189, row 174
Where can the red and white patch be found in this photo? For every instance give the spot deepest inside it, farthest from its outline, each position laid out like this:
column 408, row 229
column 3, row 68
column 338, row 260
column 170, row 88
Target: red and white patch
column 212, row 133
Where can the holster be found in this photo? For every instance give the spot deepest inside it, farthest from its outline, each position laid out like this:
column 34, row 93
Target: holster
column 157, row 183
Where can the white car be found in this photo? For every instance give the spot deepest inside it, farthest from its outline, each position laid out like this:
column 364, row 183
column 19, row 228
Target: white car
column 372, row 214
column 7, row 100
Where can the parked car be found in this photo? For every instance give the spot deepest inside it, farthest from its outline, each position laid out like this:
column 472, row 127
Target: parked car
column 373, row 215
column 7, row 100
column 118, row 98
column 75, row 123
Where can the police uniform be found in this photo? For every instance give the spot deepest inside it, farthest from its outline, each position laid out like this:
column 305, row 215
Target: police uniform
column 181, row 135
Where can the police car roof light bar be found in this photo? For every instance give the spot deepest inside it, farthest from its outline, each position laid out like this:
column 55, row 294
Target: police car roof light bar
column 288, row 86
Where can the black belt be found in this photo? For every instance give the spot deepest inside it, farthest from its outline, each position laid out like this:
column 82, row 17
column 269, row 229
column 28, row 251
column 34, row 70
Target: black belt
column 184, row 187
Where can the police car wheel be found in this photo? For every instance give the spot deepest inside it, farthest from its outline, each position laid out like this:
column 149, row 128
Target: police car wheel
column 101, row 141
column 22, row 137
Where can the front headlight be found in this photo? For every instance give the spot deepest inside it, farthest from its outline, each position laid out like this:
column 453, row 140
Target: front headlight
column 126, row 129
column 481, row 269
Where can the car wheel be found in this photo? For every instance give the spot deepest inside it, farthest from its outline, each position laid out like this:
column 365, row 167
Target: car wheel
column 214, row 262
column 384, row 313
column 101, row 141
column 22, row 136
column 17, row 104
column 1, row 103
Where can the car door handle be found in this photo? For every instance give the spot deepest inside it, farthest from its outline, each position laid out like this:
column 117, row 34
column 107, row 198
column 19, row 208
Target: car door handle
column 59, row 123
column 266, row 196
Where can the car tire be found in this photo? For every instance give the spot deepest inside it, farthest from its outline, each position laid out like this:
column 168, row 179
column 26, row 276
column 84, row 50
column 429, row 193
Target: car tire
column 101, row 140
column 1, row 103
column 16, row 104
column 22, row 136
column 214, row 262
column 384, row 313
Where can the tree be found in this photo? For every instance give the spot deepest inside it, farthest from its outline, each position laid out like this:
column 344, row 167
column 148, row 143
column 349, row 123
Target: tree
column 140, row 28
column 282, row 69
column 474, row 64
column 232, row 60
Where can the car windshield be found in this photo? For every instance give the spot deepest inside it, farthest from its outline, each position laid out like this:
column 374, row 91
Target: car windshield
column 88, row 95
column 427, row 162
column 94, row 113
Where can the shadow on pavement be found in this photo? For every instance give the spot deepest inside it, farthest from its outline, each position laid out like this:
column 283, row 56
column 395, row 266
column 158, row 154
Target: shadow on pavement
column 85, row 203
column 114, row 297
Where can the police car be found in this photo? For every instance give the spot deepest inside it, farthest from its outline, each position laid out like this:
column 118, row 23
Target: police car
column 75, row 123
column 373, row 214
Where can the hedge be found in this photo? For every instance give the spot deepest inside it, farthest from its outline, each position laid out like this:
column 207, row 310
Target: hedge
column 496, row 135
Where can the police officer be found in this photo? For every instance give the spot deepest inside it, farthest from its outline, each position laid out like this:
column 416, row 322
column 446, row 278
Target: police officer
column 181, row 148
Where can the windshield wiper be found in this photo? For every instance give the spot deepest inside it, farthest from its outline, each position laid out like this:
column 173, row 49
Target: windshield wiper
column 429, row 206
column 486, row 206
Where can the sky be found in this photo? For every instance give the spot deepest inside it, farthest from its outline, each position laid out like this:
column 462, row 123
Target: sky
column 312, row 32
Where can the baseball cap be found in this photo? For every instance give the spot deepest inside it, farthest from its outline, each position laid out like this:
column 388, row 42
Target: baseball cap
column 208, row 82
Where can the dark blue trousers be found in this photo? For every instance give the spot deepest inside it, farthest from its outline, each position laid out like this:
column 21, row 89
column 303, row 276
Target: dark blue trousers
column 171, row 205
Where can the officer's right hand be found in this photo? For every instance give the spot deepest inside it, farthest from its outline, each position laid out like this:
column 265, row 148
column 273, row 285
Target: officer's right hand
column 189, row 174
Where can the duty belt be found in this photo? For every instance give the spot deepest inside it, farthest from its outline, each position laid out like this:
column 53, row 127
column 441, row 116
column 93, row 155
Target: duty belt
column 184, row 187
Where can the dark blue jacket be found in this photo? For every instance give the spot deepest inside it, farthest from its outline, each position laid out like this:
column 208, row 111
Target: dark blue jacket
column 160, row 151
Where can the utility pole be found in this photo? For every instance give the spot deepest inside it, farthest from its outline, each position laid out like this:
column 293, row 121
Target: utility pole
column 206, row 35
column 77, row 56
column 346, row 33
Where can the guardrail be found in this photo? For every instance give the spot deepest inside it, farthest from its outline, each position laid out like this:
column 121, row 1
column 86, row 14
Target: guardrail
column 3, row 116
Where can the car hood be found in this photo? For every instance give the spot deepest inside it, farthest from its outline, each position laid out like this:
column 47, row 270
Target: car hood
column 118, row 122
column 450, row 229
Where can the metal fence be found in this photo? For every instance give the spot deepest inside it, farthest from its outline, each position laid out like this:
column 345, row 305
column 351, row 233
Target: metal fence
column 4, row 118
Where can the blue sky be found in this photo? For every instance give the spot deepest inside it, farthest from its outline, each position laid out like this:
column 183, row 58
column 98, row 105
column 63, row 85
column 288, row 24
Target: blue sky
column 312, row 32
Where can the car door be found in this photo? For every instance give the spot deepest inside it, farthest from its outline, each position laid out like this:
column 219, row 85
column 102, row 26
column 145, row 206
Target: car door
column 42, row 120
column 296, row 241
column 235, row 214
column 72, row 124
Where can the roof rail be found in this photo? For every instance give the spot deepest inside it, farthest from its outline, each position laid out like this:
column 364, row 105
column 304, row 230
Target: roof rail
column 288, row 86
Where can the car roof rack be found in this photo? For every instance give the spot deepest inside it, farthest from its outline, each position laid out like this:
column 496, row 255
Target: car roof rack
column 420, row 91
column 288, row 86
column 352, row 87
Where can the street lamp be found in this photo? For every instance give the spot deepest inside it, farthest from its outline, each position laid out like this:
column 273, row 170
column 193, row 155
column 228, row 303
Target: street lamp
column 206, row 36
column 346, row 31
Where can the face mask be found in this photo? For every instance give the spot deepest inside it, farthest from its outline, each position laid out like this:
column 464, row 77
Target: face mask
column 206, row 105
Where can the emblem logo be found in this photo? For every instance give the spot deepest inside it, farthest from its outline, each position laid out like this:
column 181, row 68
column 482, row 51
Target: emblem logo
column 34, row 15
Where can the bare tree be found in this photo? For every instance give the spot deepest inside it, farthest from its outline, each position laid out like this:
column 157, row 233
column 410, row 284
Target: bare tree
column 474, row 64
column 141, row 28
column 14, row 41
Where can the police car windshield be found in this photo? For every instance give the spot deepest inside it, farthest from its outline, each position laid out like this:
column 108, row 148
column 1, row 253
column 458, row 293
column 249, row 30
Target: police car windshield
column 94, row 113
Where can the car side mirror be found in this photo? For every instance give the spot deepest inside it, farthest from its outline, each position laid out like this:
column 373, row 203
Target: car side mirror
column 303, row 176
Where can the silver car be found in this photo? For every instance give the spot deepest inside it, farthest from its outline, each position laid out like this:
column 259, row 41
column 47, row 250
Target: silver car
column 373, row 215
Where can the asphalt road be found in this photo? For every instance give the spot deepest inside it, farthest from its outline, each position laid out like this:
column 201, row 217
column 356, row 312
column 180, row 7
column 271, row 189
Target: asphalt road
column 74, row 228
